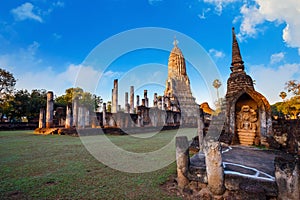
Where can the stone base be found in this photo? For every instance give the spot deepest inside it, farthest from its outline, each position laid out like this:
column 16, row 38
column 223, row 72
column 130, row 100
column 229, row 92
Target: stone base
column 246, row 137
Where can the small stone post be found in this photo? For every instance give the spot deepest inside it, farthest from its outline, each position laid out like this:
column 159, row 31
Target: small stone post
column 87, row 117
column 146, row 98
column 200, row 123
column 159, row 103
column 80, row 117
column 182, row 160
column 214, row 168
column 68, row 117
column 131, row 99
column 287, row 178
column 155, row 100
column 75, row 112
column 127, row 106
column 49, row 112
column 114, row 107
column 104, row 114
column 143, row 102
column 137, row 102
column 42, row 118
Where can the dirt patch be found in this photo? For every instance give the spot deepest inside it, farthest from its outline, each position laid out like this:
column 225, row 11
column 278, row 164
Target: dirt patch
column 49, row 183
column 170, row 187
column 15, row 195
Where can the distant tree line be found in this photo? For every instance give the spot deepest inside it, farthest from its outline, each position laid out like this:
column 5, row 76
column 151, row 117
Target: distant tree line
column 17, row 105
column 288, row 108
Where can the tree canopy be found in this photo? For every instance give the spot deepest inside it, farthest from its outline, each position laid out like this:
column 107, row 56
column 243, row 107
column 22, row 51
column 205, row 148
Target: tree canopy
column 7, row 83
column 289, row 108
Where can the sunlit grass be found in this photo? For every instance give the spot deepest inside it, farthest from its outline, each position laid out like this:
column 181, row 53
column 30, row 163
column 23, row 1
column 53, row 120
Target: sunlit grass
column 59, row 167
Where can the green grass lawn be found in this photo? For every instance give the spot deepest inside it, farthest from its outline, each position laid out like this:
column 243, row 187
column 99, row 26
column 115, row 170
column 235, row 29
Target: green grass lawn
column 60, row 167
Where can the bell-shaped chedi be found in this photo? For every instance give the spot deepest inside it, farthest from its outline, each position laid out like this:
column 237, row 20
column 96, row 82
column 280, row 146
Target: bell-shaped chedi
column 178, row 95
column 248, row 113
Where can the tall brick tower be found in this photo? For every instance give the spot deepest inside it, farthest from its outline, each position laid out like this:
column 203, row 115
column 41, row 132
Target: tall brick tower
column 241, row 94
column 178, row 93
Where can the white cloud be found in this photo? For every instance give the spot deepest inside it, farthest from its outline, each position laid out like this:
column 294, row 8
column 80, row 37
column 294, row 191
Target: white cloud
column 153, row 2
column 270, row 81
column 251, row 17
column 26, row 11
column 204, row 11
column 32, row 48
column 276, row 58
column 74, row 76
column 219, row 4
column 276, row 11
column 217, row 54
column 59, row 4
column 57, row 36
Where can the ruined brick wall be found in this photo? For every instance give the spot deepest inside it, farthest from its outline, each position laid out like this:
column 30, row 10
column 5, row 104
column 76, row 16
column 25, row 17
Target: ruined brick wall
column 286, row 135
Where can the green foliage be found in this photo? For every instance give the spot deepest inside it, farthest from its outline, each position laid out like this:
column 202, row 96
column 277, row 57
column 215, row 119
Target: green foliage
column 293, row 86
column 7, row 83
column 23, row 103
column 289, row 108
column 108, row 106
column 86, row 99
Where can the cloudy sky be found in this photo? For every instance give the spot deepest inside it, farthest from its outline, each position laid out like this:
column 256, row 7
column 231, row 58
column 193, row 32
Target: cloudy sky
column 59, row 44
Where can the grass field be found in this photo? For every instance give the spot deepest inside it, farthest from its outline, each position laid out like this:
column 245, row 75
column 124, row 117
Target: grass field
column 60, row 167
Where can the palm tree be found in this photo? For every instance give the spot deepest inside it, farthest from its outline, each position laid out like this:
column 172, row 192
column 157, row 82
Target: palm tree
column 217, row 83
column 283, row 95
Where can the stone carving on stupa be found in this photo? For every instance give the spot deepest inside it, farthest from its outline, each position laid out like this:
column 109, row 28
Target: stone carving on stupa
column 178, row 95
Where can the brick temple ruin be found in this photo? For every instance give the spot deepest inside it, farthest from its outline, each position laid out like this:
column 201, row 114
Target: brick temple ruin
column 230, row 167
column 176, row 107
column 248, row 113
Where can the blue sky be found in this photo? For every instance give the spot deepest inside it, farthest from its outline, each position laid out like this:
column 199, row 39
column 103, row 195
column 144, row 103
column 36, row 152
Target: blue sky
column 45, row 44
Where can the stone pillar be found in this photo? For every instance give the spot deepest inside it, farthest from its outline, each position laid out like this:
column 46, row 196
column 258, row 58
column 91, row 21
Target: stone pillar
column 200, row 131
column 131, row 99
column 214, row 168
column 155, row 100
column 127, row 106
column 87, row 117
column 42, row 118
column 139, row 118
column 182, row 161
column 75, row 112
column 104, row 114
column 81, row 117
column 159, row 103
column 143, row 102
column 146, row 98
column 49, row 112
column 287, row 178
column 114, row 107
column 68, row 123
column 137, row 102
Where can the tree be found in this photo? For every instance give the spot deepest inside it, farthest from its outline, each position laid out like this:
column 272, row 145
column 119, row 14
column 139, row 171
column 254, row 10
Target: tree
column 7, row 83
column 20, row 105
column 293, row 86
column 109, row 106
column 217, row 83
column 85, row 99
column 37, row 100
column 283, row 95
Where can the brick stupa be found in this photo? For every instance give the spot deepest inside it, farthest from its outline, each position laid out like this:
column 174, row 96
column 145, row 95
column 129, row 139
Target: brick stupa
column 178, row 93
column 246, row 109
